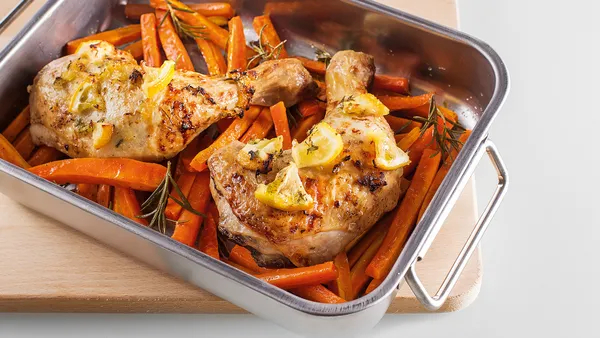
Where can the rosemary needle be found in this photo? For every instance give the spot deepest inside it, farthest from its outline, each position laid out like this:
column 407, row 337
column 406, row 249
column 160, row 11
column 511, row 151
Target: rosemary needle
column 183, row 29
column 264, row 52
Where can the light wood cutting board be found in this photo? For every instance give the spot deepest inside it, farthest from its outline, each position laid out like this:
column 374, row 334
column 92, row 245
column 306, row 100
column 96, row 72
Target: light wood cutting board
column 47, row 267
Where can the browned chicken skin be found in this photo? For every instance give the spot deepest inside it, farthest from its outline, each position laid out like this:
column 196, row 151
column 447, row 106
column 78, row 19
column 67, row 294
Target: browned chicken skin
column 110, row 84
column 349, row 196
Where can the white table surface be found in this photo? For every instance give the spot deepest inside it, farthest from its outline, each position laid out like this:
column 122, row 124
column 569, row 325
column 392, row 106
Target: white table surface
column 541, row 252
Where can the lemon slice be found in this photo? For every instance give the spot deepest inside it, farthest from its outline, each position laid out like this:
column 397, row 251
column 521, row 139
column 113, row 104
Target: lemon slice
column 78, row 96
column 286, row 192
column 157, row 85
column 258, row 154
column 102, row 134
column 387, row 154
column 321, row 147
column 364, row 104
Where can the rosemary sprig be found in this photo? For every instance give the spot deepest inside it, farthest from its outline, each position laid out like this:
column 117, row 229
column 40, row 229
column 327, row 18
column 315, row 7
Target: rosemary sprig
column 446, row 138
column 154, row 206
column 183, row 29
column 322, row 56
column 264, row 52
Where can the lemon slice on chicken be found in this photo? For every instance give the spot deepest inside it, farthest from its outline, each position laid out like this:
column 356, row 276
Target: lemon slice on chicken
column 157, row 85
column 259, row 154
column 286, row 192
column 387, row 154
column 321, row 147
column 364, row 104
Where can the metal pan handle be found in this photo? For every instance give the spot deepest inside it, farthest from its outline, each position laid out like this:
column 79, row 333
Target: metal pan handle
column 435, row 302
column 6, row 20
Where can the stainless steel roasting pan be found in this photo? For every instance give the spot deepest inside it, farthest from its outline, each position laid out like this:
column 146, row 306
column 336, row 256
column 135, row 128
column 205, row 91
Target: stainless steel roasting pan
column 465, row 72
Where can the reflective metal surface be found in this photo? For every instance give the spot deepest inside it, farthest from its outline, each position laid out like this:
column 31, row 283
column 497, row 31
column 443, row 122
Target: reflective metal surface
column 466, row 73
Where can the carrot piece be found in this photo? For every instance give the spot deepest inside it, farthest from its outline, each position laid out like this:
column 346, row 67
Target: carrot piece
column 44, row 154
column 269, row 37
column 399, row 137
column 150, row 40
column 296, row 277
column 135, row 11
column 311, row 107
column 122, row 172
column 234, row 132
column 312, row 65
column 236, row 45
column 399, row 124
column 17, row 125
column 243, row 257
column 416, row 150
column 318, row 293
column 405, row 102
column 212, row 31
column 304, row 126
column 406, row 216
column 184, row 182
column 117, row 37
column 373, row 285
column 187, row 155
column 280, row 121
column 441, row 174
column 89, row 191
column 260, row 128
column 223, row 124
column 239, row 267
column 10, row 154
column 410, row 139
column 215, row 62
column 358, row 275
column 207, row 242
column 342, row 283
column 188, row 225
column 126, row 204
column 392, row 83
column 171, row 43
column 24, row 143
column 365, row 242
column 104, row 192
column 136, row 50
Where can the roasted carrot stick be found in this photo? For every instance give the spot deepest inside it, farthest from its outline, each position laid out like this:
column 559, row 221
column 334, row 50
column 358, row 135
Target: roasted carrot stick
column 188, row 154
column 212, row 31
column 215, row 63
column 207, row 242
column 269, row 36
column 311, row 107
column 104, row 195
column 318, row 293
column 184, row 182
column 135, row 11
column 10, row 154
column 416, row 150
column 342, row 284
column 119, row 36
column 44, row 154
column 392, row 83
column 365, row 242
column 136, row 50
column 24, row 144
column 406, row 216
column 188, row 225
column 358, row 275
column 122, row 172
column 304, row 126
column 297, row 277
column 399, row 124
column 373, row 285
column 243, row 257
column 126, row 204
column 150, row 40
column 405, row 102
column 171, row 43
column 17, row 125
column 234, row 132
column 313, row 66
column 409, row 139
column 237, row 266
column 260, row 128
column 280, row 121
column 441, row 174
column 236, row 45
column 89, row 191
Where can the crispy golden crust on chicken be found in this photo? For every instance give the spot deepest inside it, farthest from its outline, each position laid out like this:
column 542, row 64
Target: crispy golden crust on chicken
column 100, row 84
column 349, row 196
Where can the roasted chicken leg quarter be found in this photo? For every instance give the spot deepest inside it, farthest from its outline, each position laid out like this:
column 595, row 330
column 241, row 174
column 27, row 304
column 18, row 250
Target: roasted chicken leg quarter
column 99, row 102
column 343, row 198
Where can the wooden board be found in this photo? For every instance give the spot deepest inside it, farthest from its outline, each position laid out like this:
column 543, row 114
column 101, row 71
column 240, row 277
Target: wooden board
column 47, row 267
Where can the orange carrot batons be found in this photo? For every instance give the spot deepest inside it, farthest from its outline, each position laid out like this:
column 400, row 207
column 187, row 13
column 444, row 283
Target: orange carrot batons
column 188, row 226
column 119, row 36
column 126, row 204
column 282, row 127
column 297, row 277
column 17, row 125
column 236, row 46
column 171, row 43
column 10, row 154
column 150, row 40
column 269, row 36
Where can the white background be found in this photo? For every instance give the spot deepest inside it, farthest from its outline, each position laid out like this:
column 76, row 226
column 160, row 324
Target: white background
column 540, row 254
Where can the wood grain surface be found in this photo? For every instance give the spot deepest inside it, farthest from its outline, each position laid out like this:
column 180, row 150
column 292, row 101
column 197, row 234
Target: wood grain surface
column 47, row 267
